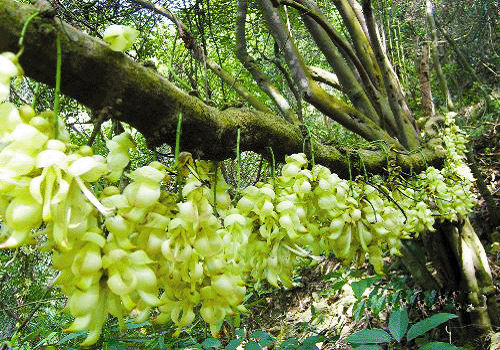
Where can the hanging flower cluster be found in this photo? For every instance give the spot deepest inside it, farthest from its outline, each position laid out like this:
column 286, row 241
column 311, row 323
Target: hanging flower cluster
column 117, row 249
column 9, row 68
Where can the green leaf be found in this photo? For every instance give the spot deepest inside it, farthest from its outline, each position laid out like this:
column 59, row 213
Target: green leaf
column 394, row 298
column 437, row 345
column 338, row 285
column 70, row 336
column 313, row 339
column 370, row 336
column 133, row 325
column 211, row 343
column 358, row 310
column 368, row 347
column 240, row 332
column 377, row 303
column 237, row 320
column 310, row 342
column 263, row 338
column 32, row 335
column 359, row 287
column 251, row 345
column 289, row 344
column 116, row 345
column 427, row 324
column 398, row 324
column 233, row 344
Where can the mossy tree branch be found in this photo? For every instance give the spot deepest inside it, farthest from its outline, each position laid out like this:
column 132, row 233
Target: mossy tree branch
column 98, row 77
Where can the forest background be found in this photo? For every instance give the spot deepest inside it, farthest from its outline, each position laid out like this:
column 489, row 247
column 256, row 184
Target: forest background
column 359, row 87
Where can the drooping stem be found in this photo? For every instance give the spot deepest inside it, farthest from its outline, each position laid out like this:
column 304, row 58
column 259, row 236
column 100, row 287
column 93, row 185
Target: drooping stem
column 177, row 152
column 273, row 167
column 238, row 162
column 198, row 53
column 405, row 123
column 58, row 85
column 23, row 33
column 178, row 138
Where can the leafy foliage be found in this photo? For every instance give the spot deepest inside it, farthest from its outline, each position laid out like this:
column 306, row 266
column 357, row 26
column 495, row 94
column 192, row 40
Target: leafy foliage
column 398, row 324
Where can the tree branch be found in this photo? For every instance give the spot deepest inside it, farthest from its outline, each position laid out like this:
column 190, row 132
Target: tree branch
column 197, row 52
column 325, row 77
column 97, row 77
column 249, row 63
column 406, row 126
column 329, row 105
column 363, row 94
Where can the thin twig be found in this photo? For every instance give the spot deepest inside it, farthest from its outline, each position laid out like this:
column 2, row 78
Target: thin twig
column 101, row 117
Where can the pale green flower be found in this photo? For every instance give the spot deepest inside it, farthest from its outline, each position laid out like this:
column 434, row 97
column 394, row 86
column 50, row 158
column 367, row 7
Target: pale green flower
column 119, row 37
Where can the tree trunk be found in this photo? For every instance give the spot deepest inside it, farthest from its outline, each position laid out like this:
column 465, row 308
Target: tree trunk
column 458, row 263
column 425, row 83
column 491, row 205
column 435, row 55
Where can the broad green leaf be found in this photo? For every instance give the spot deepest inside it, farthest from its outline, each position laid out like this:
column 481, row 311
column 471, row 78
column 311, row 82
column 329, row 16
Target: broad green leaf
column 359, row 287
column 427, row 324
column 252, row 346
column 264, row 339
column 233, row 344
column 377, row 303
column 289, row 344
column 398, row 324
column 370, row 336
column 211, row 343
column 310, row 342
column 368, row 347
column 437, row 345
column 313, row 339
column 240, row 332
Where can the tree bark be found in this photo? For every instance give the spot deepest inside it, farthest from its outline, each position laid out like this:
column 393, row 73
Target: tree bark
column 435, row 55
column 250, row 64
column 98, row 77
column 463, row 253
column 425, row 83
